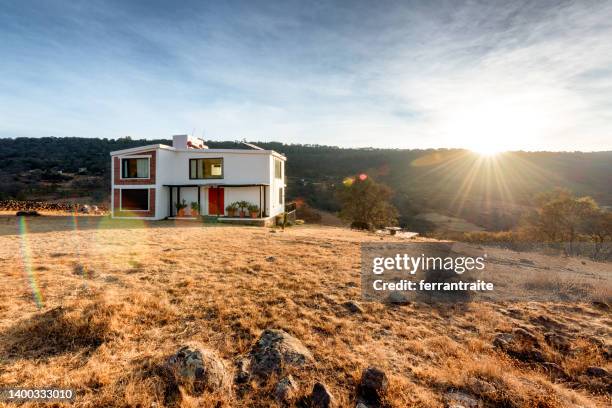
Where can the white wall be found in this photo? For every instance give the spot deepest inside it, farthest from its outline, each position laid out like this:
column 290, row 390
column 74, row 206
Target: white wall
column 190, row 195
column 238, row 168
column 275, row 207
column 249, row 194
column 161, row 203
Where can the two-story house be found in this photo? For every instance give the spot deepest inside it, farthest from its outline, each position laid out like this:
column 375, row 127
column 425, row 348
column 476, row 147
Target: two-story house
column 149, row 181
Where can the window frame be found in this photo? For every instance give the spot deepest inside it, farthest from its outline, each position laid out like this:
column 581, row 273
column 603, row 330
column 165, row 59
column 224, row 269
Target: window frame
column 204, row 177
column 281, row 194
column 280, row 168
column 121, row 159
column 121, row 200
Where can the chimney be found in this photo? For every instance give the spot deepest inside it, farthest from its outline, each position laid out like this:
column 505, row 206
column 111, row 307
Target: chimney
column 184, row 142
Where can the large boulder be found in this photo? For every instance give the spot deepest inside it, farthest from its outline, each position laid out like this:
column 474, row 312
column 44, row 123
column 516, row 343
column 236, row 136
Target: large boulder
column 274, row 351
column 197, row 369
column 373, row 385
column 321, row 397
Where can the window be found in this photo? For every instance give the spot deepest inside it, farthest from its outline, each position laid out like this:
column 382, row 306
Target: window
column 280, row 196
column 278, row 169
column 205, row 168
column 134, row 199
column 135, row 168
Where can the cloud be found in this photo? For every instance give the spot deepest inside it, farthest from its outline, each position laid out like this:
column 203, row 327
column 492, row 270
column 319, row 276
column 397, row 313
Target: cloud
column 527, row 75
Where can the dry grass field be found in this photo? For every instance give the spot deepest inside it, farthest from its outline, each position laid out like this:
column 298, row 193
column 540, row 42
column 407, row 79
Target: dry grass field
column 118, row 298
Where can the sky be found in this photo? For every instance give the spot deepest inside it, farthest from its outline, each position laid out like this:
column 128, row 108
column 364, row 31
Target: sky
column 490, row 75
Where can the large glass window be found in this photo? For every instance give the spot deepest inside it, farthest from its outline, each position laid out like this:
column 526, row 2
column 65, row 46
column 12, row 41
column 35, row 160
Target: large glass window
column 278, row 169
column 135, row 168
column 135, row 199
column 205, row 168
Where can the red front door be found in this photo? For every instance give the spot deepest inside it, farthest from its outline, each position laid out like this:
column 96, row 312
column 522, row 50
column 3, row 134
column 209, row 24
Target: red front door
column 215, row 201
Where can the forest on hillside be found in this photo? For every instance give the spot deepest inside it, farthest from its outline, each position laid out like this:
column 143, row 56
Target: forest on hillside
column 490, row 192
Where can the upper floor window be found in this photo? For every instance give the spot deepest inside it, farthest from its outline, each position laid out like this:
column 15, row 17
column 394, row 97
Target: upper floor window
column 135, row 168
column 278, row 169
column 205, row 168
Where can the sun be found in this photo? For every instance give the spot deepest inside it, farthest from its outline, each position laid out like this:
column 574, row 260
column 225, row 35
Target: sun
column 486, row 150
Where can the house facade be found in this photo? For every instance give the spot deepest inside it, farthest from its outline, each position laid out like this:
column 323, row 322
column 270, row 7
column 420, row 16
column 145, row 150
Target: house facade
column 154, row 182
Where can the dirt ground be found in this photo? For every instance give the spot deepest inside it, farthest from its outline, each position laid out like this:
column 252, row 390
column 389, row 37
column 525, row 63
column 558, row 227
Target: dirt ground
column 98, row 305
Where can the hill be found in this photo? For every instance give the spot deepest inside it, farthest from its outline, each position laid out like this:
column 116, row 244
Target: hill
column 117, row 299
column 490, row 193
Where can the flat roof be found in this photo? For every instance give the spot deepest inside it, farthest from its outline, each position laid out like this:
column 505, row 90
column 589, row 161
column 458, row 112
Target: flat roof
column 166, row 147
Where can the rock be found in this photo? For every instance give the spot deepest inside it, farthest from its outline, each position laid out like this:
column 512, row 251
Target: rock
column 525, row 335
column 600, row 304
column 373, row 385
column 321, row 397
column 276, row 349
column 285, row 390
column 397, row 298
column 520, row 344
column 361, row 405
column 352, row 307
column 271, row 258
column 597, row 372
column 481, row 387
column 457, row 399
column 242, row 370
column 502, row 340
column 557, row 341
column 198, row 369
column 111, row 279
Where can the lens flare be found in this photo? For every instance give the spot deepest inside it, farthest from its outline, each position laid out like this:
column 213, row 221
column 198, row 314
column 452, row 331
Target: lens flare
column 80, row 268
column 26, row 255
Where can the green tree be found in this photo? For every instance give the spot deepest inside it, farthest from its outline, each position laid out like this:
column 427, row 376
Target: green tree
column 563, row 217
column 366, row 204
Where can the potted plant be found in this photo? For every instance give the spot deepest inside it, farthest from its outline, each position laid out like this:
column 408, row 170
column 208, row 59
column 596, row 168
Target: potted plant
column 180, row 208
column 231, row 209
column 195, row 208
column 244, row 206
column 254, row 210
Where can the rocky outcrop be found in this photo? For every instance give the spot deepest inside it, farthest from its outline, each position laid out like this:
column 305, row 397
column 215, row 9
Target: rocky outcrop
column 520, row 344
column 197, row 369
column 274, row 351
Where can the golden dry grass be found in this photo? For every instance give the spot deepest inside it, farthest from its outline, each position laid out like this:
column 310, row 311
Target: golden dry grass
column 120, row 297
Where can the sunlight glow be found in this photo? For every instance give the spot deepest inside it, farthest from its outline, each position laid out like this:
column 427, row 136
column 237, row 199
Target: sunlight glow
column 486, row 150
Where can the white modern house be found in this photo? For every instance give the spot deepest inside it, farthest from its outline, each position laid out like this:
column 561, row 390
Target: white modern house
column 154, row 182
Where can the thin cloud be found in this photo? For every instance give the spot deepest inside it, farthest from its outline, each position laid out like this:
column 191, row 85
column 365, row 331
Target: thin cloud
column 529, row 75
